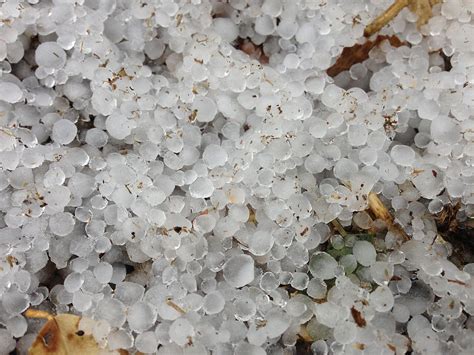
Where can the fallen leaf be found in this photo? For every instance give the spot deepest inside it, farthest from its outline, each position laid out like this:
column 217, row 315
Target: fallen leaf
column 359, row 53
column 61, row 336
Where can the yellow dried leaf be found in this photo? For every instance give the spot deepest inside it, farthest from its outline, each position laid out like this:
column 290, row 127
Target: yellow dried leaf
column 61, row 336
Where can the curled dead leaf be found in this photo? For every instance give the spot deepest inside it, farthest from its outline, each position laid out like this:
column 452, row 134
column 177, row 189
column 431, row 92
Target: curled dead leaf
column 61, row 335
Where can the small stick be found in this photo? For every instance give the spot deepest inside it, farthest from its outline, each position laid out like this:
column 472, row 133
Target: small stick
column 175, row 306
column 336, row 224
column 36, row 313
column 386, row 17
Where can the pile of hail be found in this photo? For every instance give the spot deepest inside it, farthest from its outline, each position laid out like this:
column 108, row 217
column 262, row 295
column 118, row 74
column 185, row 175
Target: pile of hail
column 186, row 174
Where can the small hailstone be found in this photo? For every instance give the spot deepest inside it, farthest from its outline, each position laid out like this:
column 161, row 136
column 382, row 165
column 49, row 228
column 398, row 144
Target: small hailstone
column 153, row 196
column 349, row 263
column 50, row 55
column 213, row 303
column 245, row 309
column 269, row 281
column 357, row 135
column 260, row 242
column 226, row 28
column 96, row 137
column 64, row 131
column 381, row 272
column 345, row 332
column 214, row 155
column 403, row 155
column 10, row 92
column 73, row 282
column 119, row 126
column 201, row 188
column 264, row 25
column 323, row 266
column 119, row 339
column 103, row 272
column 112, row 311
column 7, row 342
column 364, row 252
column 17, row 326
column 53, row 177
column 382, row 299
column 317, row 288
column 141, row 316
column 300, row 280
column 239, row 270
column 445, row 130
column 61, row 224
column 205, row 109
column 146, row 342
column 181, row 331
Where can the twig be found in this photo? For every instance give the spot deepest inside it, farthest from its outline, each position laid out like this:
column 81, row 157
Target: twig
column 36, row 313
column 336, row 224
column 383, row 19
column 422, row 8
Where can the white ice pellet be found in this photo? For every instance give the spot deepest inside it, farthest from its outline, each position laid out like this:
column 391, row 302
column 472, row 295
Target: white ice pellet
column 146, row 342
column 180, row 331
column 323, row 266
column 64, row 131
column 141, row 316
column 364, row 252
column 260, row 242
column 239, row 270
column 205, row 109
column 213, row 303
column 403, row 155
column 73, row 282
column 61, row 224
column 226, row 28
column 214, row 155
column 201, row 188
column 103, row 272
column 10, row 92
column 50, row 55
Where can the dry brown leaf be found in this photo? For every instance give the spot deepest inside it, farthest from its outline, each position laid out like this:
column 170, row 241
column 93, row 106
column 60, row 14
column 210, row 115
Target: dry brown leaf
column 423, row 8
column 61, row 336
column 359, row 53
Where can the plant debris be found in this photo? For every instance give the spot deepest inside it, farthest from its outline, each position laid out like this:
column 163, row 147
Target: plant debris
column 423, row 8
column 61, row 336
column 359, row 53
